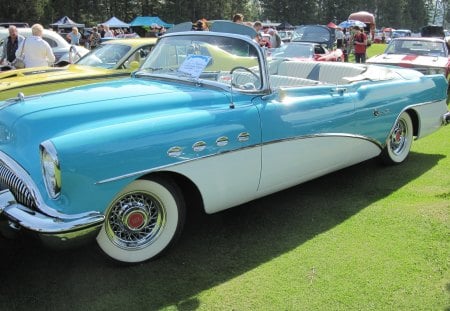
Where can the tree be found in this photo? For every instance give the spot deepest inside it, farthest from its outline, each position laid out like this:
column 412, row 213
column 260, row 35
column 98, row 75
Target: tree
column 393, row 13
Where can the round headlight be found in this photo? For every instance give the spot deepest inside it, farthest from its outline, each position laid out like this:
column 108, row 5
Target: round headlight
column 50, row 169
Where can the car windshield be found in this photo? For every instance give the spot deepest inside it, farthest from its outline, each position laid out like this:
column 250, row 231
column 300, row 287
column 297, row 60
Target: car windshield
column 293, row 50
column 206, row 57
column 107, row 56
column 417, row 47
column 311, row 34
column 401, row 33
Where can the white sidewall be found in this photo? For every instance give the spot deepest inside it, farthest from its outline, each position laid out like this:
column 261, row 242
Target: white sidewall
column 162, row 241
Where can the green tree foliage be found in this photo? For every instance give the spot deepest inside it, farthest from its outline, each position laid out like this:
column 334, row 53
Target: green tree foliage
column 411, row 14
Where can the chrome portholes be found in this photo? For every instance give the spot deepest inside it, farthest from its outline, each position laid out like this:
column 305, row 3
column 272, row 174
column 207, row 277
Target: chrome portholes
column 243, row 137
column 222, row 141
column 174, row 151
column 199, row 146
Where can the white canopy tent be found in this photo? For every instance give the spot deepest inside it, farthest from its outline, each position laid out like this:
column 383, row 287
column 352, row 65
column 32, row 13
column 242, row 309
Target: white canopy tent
column 114, row 22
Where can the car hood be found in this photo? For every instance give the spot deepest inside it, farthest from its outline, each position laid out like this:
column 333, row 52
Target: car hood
column 409, row 60
column 25, row 124
column 49, row 78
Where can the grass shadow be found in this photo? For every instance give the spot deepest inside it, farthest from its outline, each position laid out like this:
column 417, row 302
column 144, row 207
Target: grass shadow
column 213, row 248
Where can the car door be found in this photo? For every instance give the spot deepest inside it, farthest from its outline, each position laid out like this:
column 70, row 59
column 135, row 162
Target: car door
column 306, row 132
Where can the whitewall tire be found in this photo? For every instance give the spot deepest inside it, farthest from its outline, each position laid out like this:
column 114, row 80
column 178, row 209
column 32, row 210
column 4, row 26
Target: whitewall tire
column 399, row 141
column 144, row 219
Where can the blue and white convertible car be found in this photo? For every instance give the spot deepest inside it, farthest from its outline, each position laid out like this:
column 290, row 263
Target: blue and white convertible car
column 207, row 120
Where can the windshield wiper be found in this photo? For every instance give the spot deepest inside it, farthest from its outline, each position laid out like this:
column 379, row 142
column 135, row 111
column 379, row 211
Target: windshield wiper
column 153, row 69
column 184, row 74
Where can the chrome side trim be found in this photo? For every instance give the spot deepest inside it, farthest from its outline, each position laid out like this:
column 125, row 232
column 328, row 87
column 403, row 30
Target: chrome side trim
column 41, row 223
column 423, row 104
column 163, row 167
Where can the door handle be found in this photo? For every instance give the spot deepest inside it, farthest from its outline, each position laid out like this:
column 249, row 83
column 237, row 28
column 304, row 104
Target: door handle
column 339, row 90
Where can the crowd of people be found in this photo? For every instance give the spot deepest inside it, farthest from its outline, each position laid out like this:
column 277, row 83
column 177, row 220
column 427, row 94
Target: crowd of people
column 34, row 51
column 266, row 36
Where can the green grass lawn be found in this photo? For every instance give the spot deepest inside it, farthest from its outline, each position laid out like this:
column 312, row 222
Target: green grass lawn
column 368, row 237
column 374, row 49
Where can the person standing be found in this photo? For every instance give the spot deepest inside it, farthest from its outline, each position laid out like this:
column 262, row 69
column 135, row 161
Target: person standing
column 74, row 36
column 360, row 45
column 94, row 38
column 275, row 39
column 108, row 32
column 339, row 38
column 258, row 26
column 101, row 31
column 11, row 46
column 238, row 18
column 36, row 51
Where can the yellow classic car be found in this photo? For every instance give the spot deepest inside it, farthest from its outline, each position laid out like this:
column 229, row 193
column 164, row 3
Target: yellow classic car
column 111, row 60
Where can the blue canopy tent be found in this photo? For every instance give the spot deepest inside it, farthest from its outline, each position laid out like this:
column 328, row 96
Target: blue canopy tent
column 148, row 21
column 141, row 22
column 114, row 22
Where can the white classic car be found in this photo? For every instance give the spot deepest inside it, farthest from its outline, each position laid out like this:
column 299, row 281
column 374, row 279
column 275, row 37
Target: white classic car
column 206, row 121
column 64, row 52
column 427, row 55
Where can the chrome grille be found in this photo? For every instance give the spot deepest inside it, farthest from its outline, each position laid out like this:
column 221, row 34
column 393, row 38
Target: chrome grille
column 421, row 69
column 17, row 187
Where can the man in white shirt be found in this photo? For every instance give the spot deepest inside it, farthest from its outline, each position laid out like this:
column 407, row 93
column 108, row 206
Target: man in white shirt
column 339, row 38
column 34, row 50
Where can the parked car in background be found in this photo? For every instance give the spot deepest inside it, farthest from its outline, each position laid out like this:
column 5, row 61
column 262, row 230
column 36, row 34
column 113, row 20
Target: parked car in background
column 207, row 122
column 427, row 55
column 433, row 31
column 285, row 35
column 111, row 60
column 64, row 52
column 17, row 24
column 306, row 51
column 400, row 33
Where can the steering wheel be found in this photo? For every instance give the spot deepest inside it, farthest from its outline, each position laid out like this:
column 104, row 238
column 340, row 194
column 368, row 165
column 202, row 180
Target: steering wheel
column 245, row 69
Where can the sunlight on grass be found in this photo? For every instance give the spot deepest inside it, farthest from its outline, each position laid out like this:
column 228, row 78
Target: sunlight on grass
column 392, row 254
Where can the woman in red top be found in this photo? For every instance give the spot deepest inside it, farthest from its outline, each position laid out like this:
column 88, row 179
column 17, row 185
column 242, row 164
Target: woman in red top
column 360, row 45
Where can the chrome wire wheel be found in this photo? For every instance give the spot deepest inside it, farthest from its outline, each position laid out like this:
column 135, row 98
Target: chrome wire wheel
column 135, row 220
column 398, row 137
column 143, row 220
column 399, row 141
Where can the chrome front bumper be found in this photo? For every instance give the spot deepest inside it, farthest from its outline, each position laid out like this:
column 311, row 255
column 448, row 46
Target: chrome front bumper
column 53, row 231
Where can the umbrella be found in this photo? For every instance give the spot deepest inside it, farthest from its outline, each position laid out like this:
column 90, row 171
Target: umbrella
column 351, row 23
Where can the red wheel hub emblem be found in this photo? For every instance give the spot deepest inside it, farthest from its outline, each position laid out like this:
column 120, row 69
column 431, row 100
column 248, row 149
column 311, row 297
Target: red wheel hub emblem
column 398, row 136
column 135, row 220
